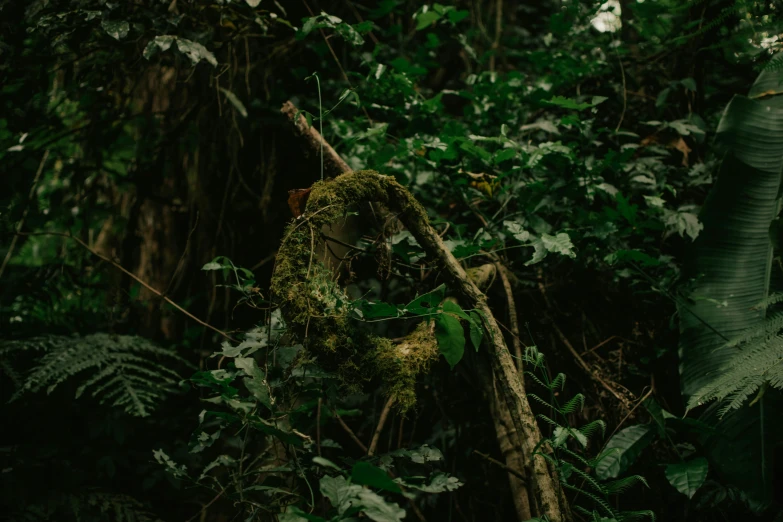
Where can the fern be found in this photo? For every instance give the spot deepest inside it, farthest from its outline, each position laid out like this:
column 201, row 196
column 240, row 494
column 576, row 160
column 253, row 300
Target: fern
column 756, row 365
column 127, row 372
column 566, row 460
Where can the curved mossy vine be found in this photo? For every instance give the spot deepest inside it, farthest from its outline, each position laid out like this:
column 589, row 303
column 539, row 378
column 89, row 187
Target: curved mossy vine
column 317, row 309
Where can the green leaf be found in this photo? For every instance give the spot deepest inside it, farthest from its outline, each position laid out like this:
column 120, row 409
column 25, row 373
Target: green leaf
column 539, row 252
column 117, row 29
column 729, row 268
column 427, row 303
column 559, row 244
column 622, row 450
column 195, row 51
column 366, row 474
column 255, row 381
column 326, row 463
column 451, row 338
column 426, row 19
column 517, row 230
column 689, row 83
column 238, row 105
column 159, row 43
column 344, row 496
column 455, row 309
column 687, row 477
column 476, row 330
column 569, row 103
column 212, row 265
column 375, row 310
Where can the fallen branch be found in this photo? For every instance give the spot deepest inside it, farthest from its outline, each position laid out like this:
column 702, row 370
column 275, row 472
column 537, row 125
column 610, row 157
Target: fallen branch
column 333, row 336
column 334, row 165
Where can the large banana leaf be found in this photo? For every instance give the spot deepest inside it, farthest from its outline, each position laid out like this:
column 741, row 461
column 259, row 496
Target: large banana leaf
column 728, row 270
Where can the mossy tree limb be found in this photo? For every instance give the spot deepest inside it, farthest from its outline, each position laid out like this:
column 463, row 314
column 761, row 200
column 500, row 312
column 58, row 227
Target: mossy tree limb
column 297, row 284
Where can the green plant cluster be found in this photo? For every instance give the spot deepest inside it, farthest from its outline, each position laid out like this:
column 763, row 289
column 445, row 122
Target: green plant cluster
column 597, row 165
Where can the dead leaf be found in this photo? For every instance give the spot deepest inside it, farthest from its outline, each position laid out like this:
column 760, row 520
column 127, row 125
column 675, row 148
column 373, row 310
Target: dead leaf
column 297, row 201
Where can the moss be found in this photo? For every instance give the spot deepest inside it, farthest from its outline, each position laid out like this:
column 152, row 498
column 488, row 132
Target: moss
column 316, row 309
column 400, row 364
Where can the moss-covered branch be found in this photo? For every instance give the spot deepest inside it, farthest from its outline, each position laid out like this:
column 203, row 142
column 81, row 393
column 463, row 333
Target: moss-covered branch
column 317, row 310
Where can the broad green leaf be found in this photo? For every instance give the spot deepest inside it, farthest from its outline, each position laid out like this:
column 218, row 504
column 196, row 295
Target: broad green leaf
column 253, row 3
column 195, row 51
column 517, row 230
column 159, row 43
column 476, row 330
column 687, row 477
column 375, row 310
column 622, row 450
column 426, row 19
column 559, row 244
column 117, row 29
column 728, row 271
column 451, row 338
column 344, row 496
column 255, row 381
column 366, row 474
column 455, row 309
column 339, row 491
column 539, row 252
column 427, row 303
column 236, row 102
column 326, row 463
column 212, row 265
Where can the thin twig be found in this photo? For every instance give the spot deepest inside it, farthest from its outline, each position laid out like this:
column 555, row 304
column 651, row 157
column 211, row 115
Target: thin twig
column 191, row 519
column 593, row 373
column 24, row 213
column 625, row 93
column 499, row 464
column 379, row 428
column 318, row 426
column 349, row 431
column 597, row 346
column 132, row 276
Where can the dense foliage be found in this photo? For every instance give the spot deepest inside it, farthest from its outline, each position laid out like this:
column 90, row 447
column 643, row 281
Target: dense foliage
column 175, row 345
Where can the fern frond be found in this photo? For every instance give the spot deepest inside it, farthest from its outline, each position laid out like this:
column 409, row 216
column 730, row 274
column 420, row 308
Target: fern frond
column 743, row 375
column 590, row 480
column 777, row 297
column 129, row 372
column 588, row 430
column 536, row 380
column 539, row 400
column 558, row 382
column 577, row 401
column 766, row 329
column 627, row 516
column 623, row 484
column 603, row 504
column 548, row 420
column 579, row 458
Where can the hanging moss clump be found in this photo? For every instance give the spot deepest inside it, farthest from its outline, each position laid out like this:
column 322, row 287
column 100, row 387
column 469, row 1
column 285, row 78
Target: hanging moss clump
column 317, row 309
